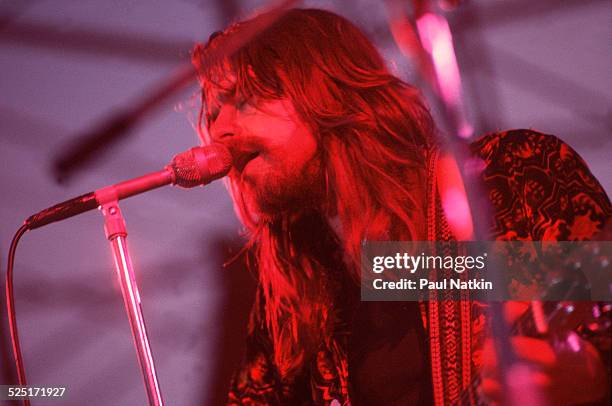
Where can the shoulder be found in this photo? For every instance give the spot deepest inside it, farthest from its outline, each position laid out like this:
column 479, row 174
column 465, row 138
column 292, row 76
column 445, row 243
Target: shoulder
column 512, row 147
column 540, row 181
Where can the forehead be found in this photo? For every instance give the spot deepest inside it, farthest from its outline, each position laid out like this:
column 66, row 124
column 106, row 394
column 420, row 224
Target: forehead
column 219, row 81
column 227, row 80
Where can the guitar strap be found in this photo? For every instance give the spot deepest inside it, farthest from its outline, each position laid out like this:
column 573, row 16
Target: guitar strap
column 449, row 322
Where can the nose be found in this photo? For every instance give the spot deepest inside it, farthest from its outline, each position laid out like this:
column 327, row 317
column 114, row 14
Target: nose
column 225, row 124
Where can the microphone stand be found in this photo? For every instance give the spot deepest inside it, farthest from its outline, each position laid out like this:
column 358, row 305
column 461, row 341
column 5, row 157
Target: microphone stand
column 116, row 233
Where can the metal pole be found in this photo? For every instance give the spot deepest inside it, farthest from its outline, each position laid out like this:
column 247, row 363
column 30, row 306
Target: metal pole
column 116, row 233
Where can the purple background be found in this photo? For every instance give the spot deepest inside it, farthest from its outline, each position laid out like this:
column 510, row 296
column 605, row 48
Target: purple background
column 66, row 65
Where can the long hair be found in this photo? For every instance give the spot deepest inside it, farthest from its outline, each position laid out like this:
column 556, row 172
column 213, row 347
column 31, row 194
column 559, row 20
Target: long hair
column 373, row 133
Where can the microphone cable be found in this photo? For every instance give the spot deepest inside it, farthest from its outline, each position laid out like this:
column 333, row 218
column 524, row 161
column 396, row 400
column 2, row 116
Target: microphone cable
column 10, row 306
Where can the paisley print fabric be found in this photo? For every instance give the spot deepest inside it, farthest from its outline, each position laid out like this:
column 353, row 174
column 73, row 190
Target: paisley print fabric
column 540, row 188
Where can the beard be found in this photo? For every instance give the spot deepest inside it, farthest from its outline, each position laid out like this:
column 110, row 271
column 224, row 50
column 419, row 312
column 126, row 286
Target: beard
column 282, row 191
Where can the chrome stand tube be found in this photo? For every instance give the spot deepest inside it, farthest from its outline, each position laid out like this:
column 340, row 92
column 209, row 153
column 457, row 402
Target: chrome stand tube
column 116, row 233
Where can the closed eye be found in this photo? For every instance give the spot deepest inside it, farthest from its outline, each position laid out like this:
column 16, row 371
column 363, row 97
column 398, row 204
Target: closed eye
column 212, row 116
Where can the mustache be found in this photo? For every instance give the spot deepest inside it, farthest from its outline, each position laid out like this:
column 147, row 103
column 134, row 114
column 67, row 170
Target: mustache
column 243, row 150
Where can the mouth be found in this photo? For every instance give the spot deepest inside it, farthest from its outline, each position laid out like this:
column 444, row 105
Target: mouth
column 241, row 161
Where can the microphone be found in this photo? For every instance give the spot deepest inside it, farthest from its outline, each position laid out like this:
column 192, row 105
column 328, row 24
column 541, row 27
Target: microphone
column 197, row 166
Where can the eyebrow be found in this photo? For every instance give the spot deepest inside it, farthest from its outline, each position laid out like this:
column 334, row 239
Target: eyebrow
column 230, row 94
column 214, row 105
column 223, row 96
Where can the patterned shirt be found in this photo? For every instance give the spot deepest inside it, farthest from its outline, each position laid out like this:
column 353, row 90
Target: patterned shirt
column 411, row 353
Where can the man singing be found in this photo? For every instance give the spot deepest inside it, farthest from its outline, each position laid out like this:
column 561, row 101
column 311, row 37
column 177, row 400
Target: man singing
column 331, row 150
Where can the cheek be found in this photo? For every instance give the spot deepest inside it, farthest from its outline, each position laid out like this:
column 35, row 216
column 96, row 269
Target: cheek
column 287, row 144
column 302, row 150
column 295, row 146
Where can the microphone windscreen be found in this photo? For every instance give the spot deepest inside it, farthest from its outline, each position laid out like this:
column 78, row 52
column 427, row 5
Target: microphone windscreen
column 201, row 165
